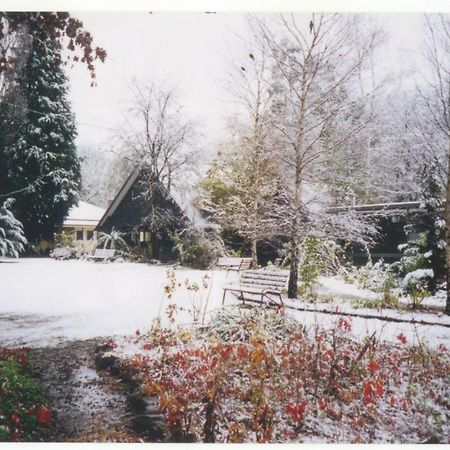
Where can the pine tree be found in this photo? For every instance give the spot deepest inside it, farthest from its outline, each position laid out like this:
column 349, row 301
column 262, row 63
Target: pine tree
column 40, row 166
column 12, row 240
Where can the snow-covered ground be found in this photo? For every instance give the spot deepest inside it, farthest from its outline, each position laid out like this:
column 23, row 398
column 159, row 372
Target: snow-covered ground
column 44, row 302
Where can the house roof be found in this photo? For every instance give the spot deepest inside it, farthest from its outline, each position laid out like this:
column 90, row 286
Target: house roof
column 126, row 186
column 83, row 214
column 182, row 199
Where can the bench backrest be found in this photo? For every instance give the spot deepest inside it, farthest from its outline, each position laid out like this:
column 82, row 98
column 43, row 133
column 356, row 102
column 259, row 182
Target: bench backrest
column 241, row 263
column 104, row 252
column 275, row 280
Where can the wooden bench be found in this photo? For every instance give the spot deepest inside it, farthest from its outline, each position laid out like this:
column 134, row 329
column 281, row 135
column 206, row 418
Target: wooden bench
column 264, row 286
column 102, row 254
column 231, row 263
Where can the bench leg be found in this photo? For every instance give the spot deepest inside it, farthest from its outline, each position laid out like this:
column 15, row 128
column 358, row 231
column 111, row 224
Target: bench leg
column 223, row 298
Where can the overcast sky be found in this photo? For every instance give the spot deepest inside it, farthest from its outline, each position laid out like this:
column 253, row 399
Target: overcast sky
column 189, row 49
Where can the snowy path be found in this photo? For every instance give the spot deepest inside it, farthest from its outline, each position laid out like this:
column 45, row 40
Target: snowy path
column 45, row 302
column 86, row 405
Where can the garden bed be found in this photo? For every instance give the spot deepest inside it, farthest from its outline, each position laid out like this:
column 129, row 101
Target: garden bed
column 24, row 411
column 261, row 377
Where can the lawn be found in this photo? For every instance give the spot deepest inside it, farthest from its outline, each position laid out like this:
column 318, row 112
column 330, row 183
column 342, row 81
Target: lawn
column 45, row 302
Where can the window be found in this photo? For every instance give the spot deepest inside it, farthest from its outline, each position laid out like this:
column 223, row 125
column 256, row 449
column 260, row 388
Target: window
column 144, row 236
column 90, row 235
column 80, row 235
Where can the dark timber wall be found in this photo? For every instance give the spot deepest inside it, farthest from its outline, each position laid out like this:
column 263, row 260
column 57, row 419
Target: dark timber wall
column 131, row 217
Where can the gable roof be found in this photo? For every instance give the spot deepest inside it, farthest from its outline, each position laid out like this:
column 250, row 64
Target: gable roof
column 83, row 214
column 182, row 199
column 126, row 186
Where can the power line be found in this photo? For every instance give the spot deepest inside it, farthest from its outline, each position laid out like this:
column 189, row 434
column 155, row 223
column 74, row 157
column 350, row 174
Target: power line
column 61, row 115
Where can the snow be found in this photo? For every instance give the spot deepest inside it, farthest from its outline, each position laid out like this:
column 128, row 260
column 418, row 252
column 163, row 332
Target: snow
column 417, row 275
column 84, row 213
column 336, row 287
column 45, row 302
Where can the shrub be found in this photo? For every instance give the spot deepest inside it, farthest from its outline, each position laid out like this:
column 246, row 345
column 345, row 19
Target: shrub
column 377, row 277
column 114, row 240
column 64, row 239
column 65, row 253
column 23, row 410
column 416, row 285
column 195, row 251
column 262, row 385
column 318, row 256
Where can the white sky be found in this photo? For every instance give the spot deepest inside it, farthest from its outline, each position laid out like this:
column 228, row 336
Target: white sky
column 189, row 49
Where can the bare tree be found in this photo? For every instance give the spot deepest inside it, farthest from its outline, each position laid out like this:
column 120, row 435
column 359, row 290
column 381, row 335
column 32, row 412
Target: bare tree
column 435, row 131
column 316, row 60
column 158, row 137
column 160, row 142
column 247, row 167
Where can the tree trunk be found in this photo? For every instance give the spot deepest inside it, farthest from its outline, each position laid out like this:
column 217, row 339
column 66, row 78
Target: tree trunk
column 254, row 253
column 293, row 270
column 447, row 234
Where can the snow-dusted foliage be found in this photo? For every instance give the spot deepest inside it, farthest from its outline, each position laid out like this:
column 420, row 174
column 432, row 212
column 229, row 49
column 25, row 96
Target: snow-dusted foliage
column 377, row 276
column 417, row 284
column 113, row 240
column 12, row 239
column 264, row 378
column 39, row 163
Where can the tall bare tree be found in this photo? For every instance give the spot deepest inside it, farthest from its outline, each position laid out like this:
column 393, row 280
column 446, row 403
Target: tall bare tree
column 435, row 129
column 160, row 141
column 246, row 167
column 316, row 60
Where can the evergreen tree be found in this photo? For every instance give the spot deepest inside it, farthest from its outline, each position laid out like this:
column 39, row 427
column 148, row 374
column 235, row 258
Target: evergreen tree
column 40, row 167
column 12, row 240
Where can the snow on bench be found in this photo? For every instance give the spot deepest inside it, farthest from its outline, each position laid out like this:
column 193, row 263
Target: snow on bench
column 264, row 286
column 231, row 263
column 103, row 254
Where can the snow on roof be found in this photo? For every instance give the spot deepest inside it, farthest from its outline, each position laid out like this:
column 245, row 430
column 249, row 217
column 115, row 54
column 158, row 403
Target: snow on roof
column 84, row 214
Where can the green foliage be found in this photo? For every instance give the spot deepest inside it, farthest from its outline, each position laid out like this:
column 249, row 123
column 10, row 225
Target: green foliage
column 22, row 406
column 195, row 251
column 417, row 285
column 114, row 240
column 388, row 301
column 37, row 147
column 12, row 239
column 318, row 256
column 378, row 277
column 143, row 252
column 65, row 239
column 414, row 253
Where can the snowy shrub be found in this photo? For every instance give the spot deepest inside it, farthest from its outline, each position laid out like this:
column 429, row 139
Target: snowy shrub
column 377, row 277
column 114, row 240
column 142, row 252
column 237, row 324
column 64, row 253
column 292, row 386
column 416, row 285
column 414, row 255
column 12, row 238
column 194, row 250
column 318, row 256
column 65, row 239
